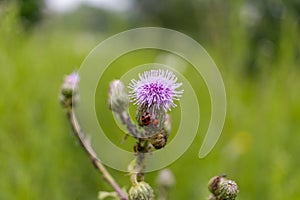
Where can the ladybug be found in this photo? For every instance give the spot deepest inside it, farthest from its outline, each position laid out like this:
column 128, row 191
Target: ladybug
column 146, row 119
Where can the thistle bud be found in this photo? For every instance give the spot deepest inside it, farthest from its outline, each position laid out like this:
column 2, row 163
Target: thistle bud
column 118, row 99
column 228, row 190
column 141, row 191
column 159, row 140
column 222, row 188
column 69, row 84
column 69, row 89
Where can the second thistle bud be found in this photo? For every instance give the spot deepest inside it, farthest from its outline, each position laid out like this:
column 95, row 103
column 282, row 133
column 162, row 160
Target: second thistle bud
column 222, row 188
column 159, row 140
column 141, row 191
column 69, row 89
column 117, row 97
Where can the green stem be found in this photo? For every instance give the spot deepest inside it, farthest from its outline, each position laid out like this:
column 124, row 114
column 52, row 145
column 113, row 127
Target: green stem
column 137, row 174
column 85, row 143
column 131, row 127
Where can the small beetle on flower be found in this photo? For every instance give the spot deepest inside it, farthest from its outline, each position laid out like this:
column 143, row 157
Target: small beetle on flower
column 146, row 119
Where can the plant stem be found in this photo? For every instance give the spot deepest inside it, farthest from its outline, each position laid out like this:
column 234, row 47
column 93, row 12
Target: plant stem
column 131, row 127
column 141, row 148
column 85, row 143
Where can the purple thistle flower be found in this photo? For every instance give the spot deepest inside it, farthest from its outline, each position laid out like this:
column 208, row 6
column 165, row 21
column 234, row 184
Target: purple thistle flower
column 155, row 88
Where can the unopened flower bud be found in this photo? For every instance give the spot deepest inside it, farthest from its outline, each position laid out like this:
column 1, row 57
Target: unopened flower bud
column 223, row 188
column 159, row 140
column 228, row 190
column 69, row 89
column 213, row 184
column 118, row 99
column 69, row 85
column 141, row 191
column 165, row 179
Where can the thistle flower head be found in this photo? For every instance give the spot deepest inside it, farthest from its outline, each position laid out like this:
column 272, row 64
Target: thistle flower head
column 155, row 88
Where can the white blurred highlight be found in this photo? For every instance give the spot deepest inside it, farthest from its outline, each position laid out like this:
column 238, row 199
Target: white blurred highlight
column 69, row 5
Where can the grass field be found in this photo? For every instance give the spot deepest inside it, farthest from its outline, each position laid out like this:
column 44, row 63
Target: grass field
column 259, row 147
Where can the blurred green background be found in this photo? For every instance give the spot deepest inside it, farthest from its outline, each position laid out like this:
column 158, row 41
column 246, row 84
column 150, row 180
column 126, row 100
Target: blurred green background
column 255, row 44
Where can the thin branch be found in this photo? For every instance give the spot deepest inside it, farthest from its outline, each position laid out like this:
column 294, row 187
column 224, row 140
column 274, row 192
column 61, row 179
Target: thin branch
column 85, row 143
column 131, row 127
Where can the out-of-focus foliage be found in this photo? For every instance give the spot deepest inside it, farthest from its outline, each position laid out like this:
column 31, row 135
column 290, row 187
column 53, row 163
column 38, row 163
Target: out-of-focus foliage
column 209, row 21
column 30, row 12
column 256, row 47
